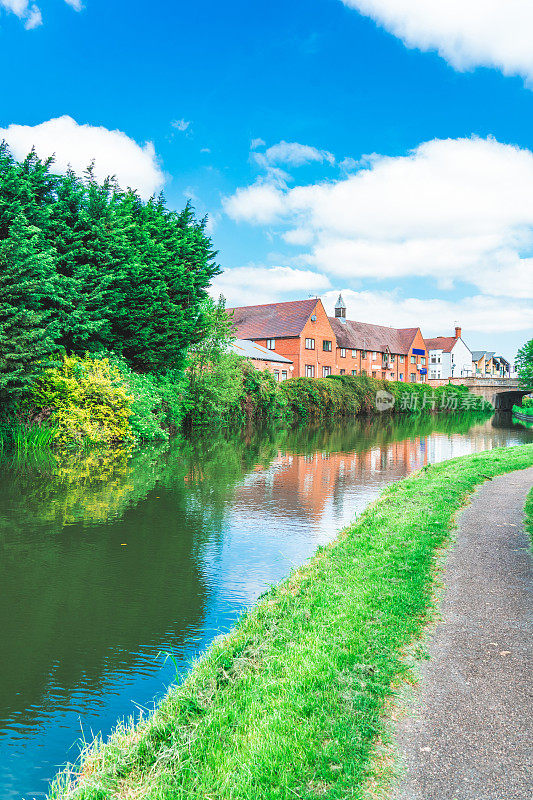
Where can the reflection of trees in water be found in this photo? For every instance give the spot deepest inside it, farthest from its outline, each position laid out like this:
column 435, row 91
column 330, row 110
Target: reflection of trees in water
column 76, row 604
column 366, row 432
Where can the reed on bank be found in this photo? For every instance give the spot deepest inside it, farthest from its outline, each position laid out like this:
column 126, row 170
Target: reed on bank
column 291, row 702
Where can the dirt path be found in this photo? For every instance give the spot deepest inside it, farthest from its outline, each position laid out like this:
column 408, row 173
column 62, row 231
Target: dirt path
column 470, row 734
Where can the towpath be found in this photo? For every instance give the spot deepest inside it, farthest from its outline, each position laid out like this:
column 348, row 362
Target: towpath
column 469, row 735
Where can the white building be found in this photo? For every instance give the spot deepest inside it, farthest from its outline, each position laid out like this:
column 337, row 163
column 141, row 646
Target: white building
column 448, row 357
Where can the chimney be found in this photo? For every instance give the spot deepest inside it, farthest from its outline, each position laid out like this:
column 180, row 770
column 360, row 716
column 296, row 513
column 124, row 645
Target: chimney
column 340, row 309
column 457, row 332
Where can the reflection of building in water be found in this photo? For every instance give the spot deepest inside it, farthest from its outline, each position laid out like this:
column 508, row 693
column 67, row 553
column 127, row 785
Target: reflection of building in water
column 306, row 481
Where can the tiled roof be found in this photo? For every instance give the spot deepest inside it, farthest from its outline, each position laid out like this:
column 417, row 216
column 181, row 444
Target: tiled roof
column 407, row 336
column 274, row 320
column 242, row 347
column 365, row 336
column 444, row 343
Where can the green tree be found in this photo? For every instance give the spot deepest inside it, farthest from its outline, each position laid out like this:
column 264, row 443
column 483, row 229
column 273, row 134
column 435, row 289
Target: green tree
column 28, row 327
column 215, row 373
column 524, row 365
column 131, row 276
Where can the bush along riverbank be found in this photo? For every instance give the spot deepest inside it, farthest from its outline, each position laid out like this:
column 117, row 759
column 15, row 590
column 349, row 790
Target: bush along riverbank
column 291, row 702
column 92, row 401
column 524, row 412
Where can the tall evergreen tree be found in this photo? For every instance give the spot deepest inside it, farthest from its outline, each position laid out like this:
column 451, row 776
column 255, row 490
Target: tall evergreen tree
column 28, row 326
column 128, row 276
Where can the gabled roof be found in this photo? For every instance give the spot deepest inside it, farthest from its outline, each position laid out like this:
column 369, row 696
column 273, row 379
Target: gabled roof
column 246, row 349
column 407, row 336
column 365, row 336
column 444, row 343
column 273, row 320
column 477, row 354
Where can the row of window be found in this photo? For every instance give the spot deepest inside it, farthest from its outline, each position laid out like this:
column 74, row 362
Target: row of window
column 284, row 374
column 326, row 345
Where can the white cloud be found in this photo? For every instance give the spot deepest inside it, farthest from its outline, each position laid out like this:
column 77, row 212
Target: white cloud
column 467, row 33
column 113, row 152
column 255, row 143
column 180, row 124
column 477, row 314
column 34, row 18
column 454, row 209
column 259, row 203
column 257, row 284
column 292, row 154
column 30, row 13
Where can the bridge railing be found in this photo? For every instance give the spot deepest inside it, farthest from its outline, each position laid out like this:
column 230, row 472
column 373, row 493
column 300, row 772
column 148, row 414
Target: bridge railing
column 489, row 381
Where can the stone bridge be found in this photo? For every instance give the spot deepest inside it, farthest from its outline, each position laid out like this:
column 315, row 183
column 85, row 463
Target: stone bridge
column 503, row 393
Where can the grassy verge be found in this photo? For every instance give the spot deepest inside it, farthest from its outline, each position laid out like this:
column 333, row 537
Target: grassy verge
column 290, row 703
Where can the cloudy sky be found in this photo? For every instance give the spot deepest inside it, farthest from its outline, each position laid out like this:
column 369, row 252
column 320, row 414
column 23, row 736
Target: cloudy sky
column 382, row 148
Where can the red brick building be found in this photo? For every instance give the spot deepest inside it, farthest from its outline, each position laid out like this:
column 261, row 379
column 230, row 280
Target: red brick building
column 319, row 345
column 265, row 360
column 299, row 330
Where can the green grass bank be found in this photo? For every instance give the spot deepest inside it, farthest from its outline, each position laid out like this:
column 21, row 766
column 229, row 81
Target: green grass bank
column 291, row 702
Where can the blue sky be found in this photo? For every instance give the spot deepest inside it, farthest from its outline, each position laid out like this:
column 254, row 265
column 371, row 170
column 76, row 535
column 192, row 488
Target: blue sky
column 266, row 113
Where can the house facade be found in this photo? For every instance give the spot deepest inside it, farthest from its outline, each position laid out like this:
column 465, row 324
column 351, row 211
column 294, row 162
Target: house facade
column 394, row 354
column 319, row 345
column 265, row 360
column 299, row 330
column 449, row 357
column 487, row 364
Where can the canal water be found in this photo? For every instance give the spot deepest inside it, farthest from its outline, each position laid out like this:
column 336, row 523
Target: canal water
column 116, row 572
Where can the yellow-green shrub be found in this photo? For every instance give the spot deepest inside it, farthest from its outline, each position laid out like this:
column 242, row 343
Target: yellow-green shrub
column 84, row 398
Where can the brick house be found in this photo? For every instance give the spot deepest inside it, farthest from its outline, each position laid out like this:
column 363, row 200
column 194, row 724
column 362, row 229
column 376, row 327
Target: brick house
column 319, row 345
column 265, row 360
column 298, row 330
column 395, row 354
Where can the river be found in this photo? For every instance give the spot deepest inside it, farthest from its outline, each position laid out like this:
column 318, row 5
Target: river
column 116, row 572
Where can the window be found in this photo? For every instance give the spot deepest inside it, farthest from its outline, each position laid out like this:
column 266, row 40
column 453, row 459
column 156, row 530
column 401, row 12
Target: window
column 392, row 358
column 413, row 359
column 309, row 344
column 412, row 377
column 354, row 353
column 343, row 371
column 343, row 352
column 276, row 374
column 401, row 359
column 354, row 372
column 400, row 377
column 271, row 344
column 363, row 353
column 374, row 356
column 326, row 371
column 326, row 345
column 423, row 361
column 284, row 374
column 309, row 370
column 433, row 360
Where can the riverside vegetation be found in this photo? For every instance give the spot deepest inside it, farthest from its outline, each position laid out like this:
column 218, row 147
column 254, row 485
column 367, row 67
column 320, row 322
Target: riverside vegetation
column 107, row 334
column 292, row 702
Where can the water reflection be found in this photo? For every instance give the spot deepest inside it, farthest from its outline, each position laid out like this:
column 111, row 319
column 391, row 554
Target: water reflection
column 109, row 561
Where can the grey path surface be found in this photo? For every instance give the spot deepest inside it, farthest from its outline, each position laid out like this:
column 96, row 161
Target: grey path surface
column 469, row 735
